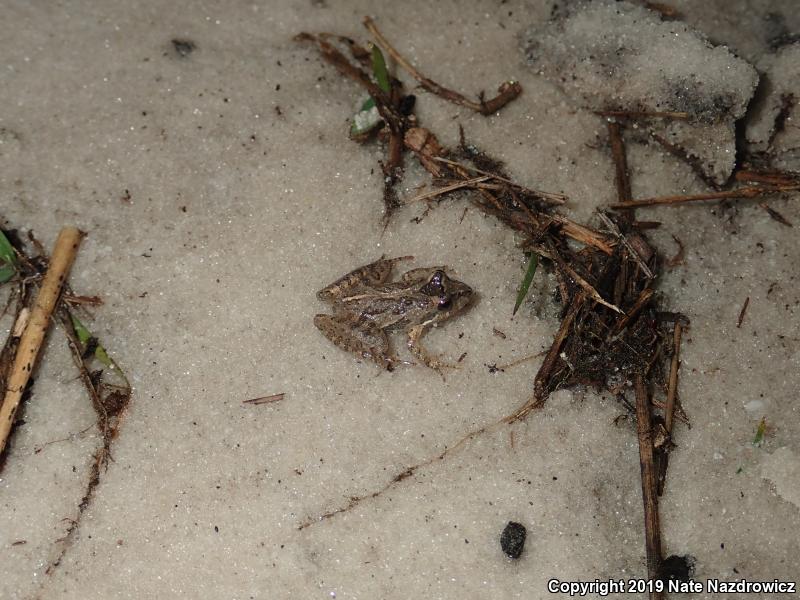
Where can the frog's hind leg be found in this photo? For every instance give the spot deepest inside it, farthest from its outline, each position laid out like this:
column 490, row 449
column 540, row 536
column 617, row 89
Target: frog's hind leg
column 372, row 274
column 418, row 350
column 361, row 337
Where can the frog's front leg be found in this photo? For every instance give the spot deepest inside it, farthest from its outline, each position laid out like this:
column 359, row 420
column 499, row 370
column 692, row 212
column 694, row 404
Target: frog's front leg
column 418, row 350
column 359, row 336
column 372, row 274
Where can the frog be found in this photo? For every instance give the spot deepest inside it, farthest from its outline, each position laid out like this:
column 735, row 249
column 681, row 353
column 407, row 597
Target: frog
column 367, row 306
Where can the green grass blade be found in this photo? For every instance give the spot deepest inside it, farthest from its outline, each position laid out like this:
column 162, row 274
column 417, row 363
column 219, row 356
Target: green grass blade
column 379, row 69
column 8, row 259
column 84, row 336
column 760, row 431
column 526, row 282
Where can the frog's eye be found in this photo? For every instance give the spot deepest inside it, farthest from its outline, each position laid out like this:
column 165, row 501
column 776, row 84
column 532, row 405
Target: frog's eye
column 436, row 278
column 445, row 302
column 434, row 286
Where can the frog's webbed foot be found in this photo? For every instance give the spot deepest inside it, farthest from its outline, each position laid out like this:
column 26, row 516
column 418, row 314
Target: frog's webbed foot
column 418, row 350
column 361, row 337
column 374, row 273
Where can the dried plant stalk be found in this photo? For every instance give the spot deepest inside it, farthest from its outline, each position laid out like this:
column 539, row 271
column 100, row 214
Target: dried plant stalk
column 64, row 253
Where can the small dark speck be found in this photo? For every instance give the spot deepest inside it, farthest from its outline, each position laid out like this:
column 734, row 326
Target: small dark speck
column 216, row 529
column 183, row 47
column 555, row 478
column 278, row 87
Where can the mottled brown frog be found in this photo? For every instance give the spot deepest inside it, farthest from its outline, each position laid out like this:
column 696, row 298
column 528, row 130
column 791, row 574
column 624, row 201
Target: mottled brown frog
column 366, row 306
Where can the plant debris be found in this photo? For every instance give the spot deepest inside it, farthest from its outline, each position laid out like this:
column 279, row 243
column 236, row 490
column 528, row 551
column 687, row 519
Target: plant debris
column 742, row 312
column 265, row 399
column 397, row 122
column 505, row 93
column 105, row 383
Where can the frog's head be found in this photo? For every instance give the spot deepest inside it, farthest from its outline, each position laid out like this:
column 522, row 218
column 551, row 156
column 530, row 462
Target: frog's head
column 453, row 295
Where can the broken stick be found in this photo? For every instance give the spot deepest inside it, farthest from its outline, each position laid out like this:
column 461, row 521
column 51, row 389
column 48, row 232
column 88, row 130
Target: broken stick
column 744, row 192
column 652, row 525
column 64, row 253
column 505, row 94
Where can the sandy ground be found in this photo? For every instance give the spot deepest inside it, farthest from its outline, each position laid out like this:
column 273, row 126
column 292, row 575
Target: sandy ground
column 213, row 218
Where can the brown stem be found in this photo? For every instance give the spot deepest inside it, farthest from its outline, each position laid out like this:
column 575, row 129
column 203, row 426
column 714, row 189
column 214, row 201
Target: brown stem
column 742, row 312
column 620, row 162
column 769, row 177
column 338, row 60
column 652, row 527
column 551, row 197
column 506, row 93
column 643, row 114
column 672, row 390
column 446, row 189
column 745, row 192
column 545, row 371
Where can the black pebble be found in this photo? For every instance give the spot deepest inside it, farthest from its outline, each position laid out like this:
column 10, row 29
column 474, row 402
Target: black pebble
column 512, row 540
column 677, row 568
column 407, row 104
column 183, row 47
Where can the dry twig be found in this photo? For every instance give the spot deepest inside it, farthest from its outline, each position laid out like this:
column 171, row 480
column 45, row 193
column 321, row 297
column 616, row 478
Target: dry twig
column 652, row 526
column 506, row 93
column 66, row 249
column 745, row 192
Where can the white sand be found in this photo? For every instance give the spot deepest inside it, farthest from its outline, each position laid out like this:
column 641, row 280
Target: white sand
column 611, row 55
column 211, row 305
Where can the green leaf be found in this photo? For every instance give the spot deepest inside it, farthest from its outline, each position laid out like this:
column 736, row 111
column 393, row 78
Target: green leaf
column 760, row 431
column 84, row 336
column 8, row 259
column 379, row 69
column 526, row 282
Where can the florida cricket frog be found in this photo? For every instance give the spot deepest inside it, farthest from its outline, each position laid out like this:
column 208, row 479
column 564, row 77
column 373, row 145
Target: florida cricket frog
column 366, row 305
